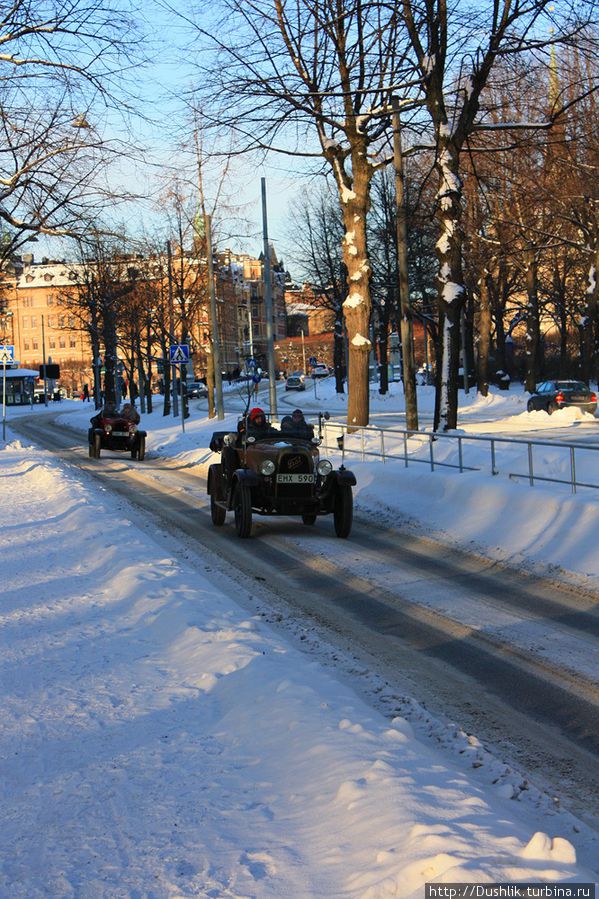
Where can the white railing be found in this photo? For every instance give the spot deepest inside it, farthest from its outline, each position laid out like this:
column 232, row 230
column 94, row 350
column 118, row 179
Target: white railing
column 575, row 464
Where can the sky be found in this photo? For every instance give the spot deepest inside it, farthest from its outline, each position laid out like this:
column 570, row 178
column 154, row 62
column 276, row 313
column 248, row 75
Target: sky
column 161, row 739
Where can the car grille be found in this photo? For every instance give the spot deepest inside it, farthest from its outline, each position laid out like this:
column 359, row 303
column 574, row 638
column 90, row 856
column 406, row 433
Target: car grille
column 295, row 463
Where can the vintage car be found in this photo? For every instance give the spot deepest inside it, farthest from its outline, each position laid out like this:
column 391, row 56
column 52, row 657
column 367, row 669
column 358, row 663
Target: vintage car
column 111, row 430
column 278, row 474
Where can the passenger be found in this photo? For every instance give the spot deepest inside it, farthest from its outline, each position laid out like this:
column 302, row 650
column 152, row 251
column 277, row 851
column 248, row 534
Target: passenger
column 286, row 424
column 130, row 413
column 300, row 426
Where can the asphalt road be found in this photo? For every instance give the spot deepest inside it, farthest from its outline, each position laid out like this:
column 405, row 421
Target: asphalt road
column 384, row 604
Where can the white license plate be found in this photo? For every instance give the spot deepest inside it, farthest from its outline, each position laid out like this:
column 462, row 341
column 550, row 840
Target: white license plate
column 295, row 479
column 120, row 433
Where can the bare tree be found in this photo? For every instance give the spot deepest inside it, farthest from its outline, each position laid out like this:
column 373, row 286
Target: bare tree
column 317, row 231
column 61, row 63
column 457, row 49
column 315, row 81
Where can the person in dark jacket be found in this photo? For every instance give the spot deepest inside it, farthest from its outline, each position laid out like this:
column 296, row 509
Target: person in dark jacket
column 300, row 427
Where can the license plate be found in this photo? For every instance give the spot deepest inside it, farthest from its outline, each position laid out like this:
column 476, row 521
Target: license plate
column 295, row 479
column 120, row 433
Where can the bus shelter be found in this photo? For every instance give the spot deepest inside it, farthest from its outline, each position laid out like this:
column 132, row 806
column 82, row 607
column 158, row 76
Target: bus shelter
column 20, row 384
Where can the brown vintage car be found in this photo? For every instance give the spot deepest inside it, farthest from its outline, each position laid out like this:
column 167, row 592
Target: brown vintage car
column 277, row 474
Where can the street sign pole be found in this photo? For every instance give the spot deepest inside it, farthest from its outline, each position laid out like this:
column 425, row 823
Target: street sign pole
column 4, row 399
column 7, row 354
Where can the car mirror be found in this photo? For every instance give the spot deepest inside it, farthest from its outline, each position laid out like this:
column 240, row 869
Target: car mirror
column 316, row 441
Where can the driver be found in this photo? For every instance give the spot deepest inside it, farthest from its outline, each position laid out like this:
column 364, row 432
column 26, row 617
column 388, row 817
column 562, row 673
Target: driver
column 258, row 425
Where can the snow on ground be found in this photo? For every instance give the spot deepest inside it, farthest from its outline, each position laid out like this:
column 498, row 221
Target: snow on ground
column 159, row 742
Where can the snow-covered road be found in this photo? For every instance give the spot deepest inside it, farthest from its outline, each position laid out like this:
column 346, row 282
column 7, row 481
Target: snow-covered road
column 161, row 741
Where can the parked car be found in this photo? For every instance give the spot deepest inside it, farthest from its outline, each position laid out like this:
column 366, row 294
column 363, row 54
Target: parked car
column 277, row 474
column 553, row 395
column 294, row 383
column 196, row 390
column 111, row 430
column 320, row 371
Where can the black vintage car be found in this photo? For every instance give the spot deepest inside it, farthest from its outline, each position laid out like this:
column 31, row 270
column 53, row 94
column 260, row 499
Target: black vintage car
column 278, row 474
column 112, row 430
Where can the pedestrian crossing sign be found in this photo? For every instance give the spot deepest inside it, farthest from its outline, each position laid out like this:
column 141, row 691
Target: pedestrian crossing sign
column 179, row 354
column 7, row 354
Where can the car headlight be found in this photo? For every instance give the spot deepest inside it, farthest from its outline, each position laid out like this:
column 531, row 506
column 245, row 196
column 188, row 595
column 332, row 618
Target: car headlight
column 132, row 427
column 324, row 468
column 267, row 467
column 108, row 428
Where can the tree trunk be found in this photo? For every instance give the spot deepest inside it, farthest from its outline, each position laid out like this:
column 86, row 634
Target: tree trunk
column 357, row 306
column 589, row 323
column 450, row 284
column 339, row 352
column 383, row 343
column 533, row 329
column 110, row 352
column 484, row 336
column 166, row 377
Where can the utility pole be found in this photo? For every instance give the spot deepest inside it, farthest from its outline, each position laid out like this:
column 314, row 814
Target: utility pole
column 270, row 345
column 408, row 369
column 218, row 377
column 171, row 327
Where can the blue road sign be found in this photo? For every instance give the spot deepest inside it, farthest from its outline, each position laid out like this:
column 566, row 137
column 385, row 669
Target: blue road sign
column 7, row 354
column 313, row 360
column 179, row 354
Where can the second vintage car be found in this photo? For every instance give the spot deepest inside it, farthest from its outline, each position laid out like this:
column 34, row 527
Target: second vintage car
column 277, row 474
column 114, row 430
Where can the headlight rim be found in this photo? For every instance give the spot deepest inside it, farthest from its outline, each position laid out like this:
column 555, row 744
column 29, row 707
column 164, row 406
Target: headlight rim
column 267, row 468
column 324, row 468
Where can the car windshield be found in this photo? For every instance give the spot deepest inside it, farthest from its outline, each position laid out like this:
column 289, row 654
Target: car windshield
column 571, row 385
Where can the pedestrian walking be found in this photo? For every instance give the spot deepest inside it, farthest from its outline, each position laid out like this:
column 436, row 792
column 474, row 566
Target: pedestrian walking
column 86, row 393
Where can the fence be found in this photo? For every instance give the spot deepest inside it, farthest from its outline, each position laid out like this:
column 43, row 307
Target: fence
column 444, row 450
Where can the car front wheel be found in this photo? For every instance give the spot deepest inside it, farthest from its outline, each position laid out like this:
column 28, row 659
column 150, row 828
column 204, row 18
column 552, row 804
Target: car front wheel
column 530, row 406
column 242, row 504
column 97, row 446
column 343, row 511
column 141, row 449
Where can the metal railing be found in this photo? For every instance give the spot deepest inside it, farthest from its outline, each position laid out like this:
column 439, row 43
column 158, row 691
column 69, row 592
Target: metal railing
column 431, row 448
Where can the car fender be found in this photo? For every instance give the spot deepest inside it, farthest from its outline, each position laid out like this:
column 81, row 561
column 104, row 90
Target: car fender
column 141, row 433
column 247, row 478
column 346, row 478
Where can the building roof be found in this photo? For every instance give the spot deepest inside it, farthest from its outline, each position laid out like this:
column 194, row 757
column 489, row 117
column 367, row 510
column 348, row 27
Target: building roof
column 20, row 372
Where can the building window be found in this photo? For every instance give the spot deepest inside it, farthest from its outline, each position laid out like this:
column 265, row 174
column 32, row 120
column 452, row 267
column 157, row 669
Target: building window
column 62, row 343
column 34, row 321
column 52, row 343
column 35, row 345
column 50, row 299
column 61, row 321
column 51, row 321
column 71, row 321
column 25, row 321
column 72, row 342
column 26, row 345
